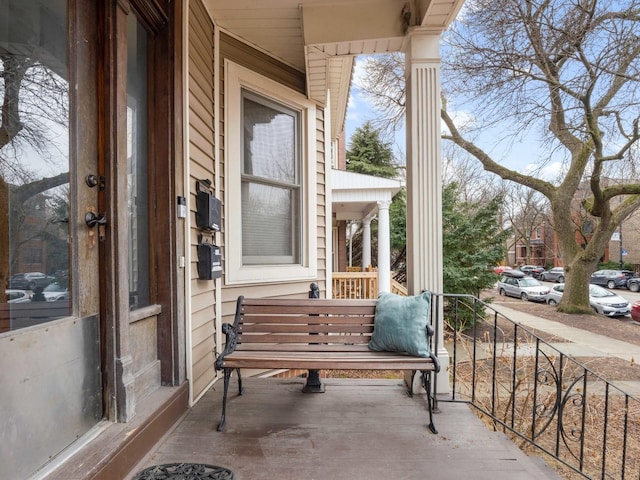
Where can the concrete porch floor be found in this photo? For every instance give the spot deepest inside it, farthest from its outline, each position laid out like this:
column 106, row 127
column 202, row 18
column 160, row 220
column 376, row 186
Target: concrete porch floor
column 358, row 429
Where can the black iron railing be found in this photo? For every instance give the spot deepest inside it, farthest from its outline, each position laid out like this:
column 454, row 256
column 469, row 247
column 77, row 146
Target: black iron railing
column 540, row 397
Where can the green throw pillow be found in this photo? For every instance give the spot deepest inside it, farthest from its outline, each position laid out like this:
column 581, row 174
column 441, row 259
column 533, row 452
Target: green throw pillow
column 400, row 324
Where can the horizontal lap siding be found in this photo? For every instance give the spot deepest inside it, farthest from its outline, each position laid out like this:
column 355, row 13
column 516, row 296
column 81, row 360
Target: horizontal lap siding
column 201, row 166
column 232, row 49
column 323, row 145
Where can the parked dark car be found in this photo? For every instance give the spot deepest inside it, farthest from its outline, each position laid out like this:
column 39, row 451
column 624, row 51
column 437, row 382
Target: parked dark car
column 635, row 311
column 633, row 283
column 555, row 274
column 611, row 278
column 531, row 270
column 30, row 280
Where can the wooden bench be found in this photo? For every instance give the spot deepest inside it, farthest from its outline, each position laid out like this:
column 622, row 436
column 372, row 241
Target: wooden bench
column 312, row 334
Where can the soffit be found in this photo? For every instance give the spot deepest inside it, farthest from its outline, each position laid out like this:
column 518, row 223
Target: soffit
column 355, row 196
column 321, row 37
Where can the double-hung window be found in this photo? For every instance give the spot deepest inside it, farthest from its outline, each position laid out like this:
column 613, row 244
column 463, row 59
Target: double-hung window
column 271, row 189
column 270, row 180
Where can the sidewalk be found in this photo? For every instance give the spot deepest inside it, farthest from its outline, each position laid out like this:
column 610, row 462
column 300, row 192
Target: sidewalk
column 582, row 342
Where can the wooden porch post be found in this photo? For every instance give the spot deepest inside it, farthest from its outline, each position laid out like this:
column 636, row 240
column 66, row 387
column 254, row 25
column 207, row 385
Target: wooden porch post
column 424, row 174
column 366, row 243
column 384, row 247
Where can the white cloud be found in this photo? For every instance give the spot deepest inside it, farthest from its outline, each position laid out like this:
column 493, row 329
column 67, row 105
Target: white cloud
column 551, row 171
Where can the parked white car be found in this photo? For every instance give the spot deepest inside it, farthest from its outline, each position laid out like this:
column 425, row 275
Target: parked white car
column 515, row 284
column 55, row 292
column 602, row 301
column 17, row 296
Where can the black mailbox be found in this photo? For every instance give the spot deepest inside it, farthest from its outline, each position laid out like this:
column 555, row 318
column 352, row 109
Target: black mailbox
column 209, row 261
column 208, row 208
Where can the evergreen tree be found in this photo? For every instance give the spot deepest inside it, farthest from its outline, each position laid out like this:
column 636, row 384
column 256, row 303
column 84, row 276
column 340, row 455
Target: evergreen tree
column 473, row 241
column 369, row 154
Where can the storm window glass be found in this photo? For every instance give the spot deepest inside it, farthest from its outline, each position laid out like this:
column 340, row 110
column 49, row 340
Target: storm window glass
column 34, row 164
column 270, row 182
column 137, row 151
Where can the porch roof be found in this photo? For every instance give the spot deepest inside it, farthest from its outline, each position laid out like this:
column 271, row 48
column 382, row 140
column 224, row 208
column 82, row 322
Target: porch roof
column 358, row 429
column 355, row 196
column 321, row 37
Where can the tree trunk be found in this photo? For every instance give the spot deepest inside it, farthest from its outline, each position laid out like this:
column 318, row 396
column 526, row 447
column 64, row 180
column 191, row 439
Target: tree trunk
column 575, row 298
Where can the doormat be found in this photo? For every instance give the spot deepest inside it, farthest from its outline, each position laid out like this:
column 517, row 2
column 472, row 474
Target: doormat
column 185, row 471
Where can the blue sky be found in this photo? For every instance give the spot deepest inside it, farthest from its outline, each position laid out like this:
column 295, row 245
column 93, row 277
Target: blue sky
column 522, row 157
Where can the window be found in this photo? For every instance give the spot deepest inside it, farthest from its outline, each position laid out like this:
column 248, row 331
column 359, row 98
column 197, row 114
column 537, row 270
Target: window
column 270, row 181
column 137, row 152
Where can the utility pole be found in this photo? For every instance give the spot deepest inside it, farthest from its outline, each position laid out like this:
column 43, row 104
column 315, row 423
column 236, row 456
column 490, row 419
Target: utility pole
column 620, row 237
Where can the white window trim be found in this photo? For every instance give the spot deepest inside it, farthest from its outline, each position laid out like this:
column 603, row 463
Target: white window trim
column 237, row 78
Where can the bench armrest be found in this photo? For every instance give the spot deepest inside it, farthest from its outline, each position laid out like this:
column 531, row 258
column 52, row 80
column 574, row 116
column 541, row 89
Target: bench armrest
column 231, row 332
column 430, row 330
column 230, row 343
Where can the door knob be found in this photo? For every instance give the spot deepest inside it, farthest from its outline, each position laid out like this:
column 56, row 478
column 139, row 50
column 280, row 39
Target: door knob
column 91, row 219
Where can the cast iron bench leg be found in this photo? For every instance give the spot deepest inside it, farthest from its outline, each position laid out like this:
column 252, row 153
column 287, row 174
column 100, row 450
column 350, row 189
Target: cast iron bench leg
column 426, row 382
column 240, row 389
column 227, row 376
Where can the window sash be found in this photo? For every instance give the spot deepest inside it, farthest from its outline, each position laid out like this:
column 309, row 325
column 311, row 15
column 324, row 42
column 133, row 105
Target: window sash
column 270, row 182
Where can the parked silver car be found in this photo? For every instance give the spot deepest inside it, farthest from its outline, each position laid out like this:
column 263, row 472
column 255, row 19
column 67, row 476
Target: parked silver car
column 602, row 301
column 555, row 274
column 519, row 286
column 56, row 292
column 17, row 296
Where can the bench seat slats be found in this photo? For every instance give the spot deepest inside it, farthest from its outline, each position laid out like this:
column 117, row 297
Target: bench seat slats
column 325, row 360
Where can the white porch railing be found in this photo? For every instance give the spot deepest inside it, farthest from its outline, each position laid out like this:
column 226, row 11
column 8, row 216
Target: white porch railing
column 361, row 285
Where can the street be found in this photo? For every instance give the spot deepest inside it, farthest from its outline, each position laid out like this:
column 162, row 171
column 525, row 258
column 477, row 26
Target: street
column 623, row 292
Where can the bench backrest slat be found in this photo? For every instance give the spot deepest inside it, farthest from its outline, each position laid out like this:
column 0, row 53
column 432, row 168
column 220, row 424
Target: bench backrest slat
column 301, row 338
column 305, row 321
column 287, row 328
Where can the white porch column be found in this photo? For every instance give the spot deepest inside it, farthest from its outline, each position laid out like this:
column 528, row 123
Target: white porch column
column 424, row 174
column 384, row 247
column 366, row 243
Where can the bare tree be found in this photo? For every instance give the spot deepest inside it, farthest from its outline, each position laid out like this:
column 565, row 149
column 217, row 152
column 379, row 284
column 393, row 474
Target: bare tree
column 33, row 97
column 566, row 73
column 525, row 210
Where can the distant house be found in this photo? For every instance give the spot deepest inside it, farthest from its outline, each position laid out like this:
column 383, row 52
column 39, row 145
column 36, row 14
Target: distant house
column 538, row 249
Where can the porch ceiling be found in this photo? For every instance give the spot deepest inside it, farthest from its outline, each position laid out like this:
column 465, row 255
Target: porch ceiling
column 321, row 37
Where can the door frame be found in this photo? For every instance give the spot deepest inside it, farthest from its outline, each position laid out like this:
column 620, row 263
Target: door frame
column 162, row 20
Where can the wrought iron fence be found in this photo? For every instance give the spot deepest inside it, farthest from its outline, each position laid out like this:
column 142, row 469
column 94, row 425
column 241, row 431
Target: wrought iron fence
column 523, row 384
